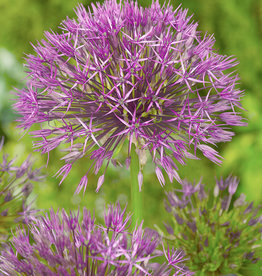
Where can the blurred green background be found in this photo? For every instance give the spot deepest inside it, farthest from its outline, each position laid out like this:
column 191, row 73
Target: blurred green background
column 237, row 25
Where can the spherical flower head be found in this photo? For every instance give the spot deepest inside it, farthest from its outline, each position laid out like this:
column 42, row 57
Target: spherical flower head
column 121, row 75
column 220, row 235
column 15, row 188
column 64, row 244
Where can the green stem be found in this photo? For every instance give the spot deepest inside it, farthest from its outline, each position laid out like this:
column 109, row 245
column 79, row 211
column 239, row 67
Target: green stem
column 136, row 195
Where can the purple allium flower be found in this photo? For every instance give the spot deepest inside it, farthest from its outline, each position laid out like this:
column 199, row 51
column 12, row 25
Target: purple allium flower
column 15, row 188
column 121, row 74
column 62, row 244
column 220, row 235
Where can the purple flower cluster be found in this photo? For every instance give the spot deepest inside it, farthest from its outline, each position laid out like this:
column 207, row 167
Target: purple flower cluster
column 220, row 234
column 15, row 187
column 121, row 74
column 64, row 245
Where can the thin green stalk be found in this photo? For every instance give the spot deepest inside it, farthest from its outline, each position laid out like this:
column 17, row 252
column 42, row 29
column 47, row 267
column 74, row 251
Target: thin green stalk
column 136, row 195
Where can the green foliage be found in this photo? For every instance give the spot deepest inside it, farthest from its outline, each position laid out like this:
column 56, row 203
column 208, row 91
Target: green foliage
column 11, row 73
column 25, row 21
